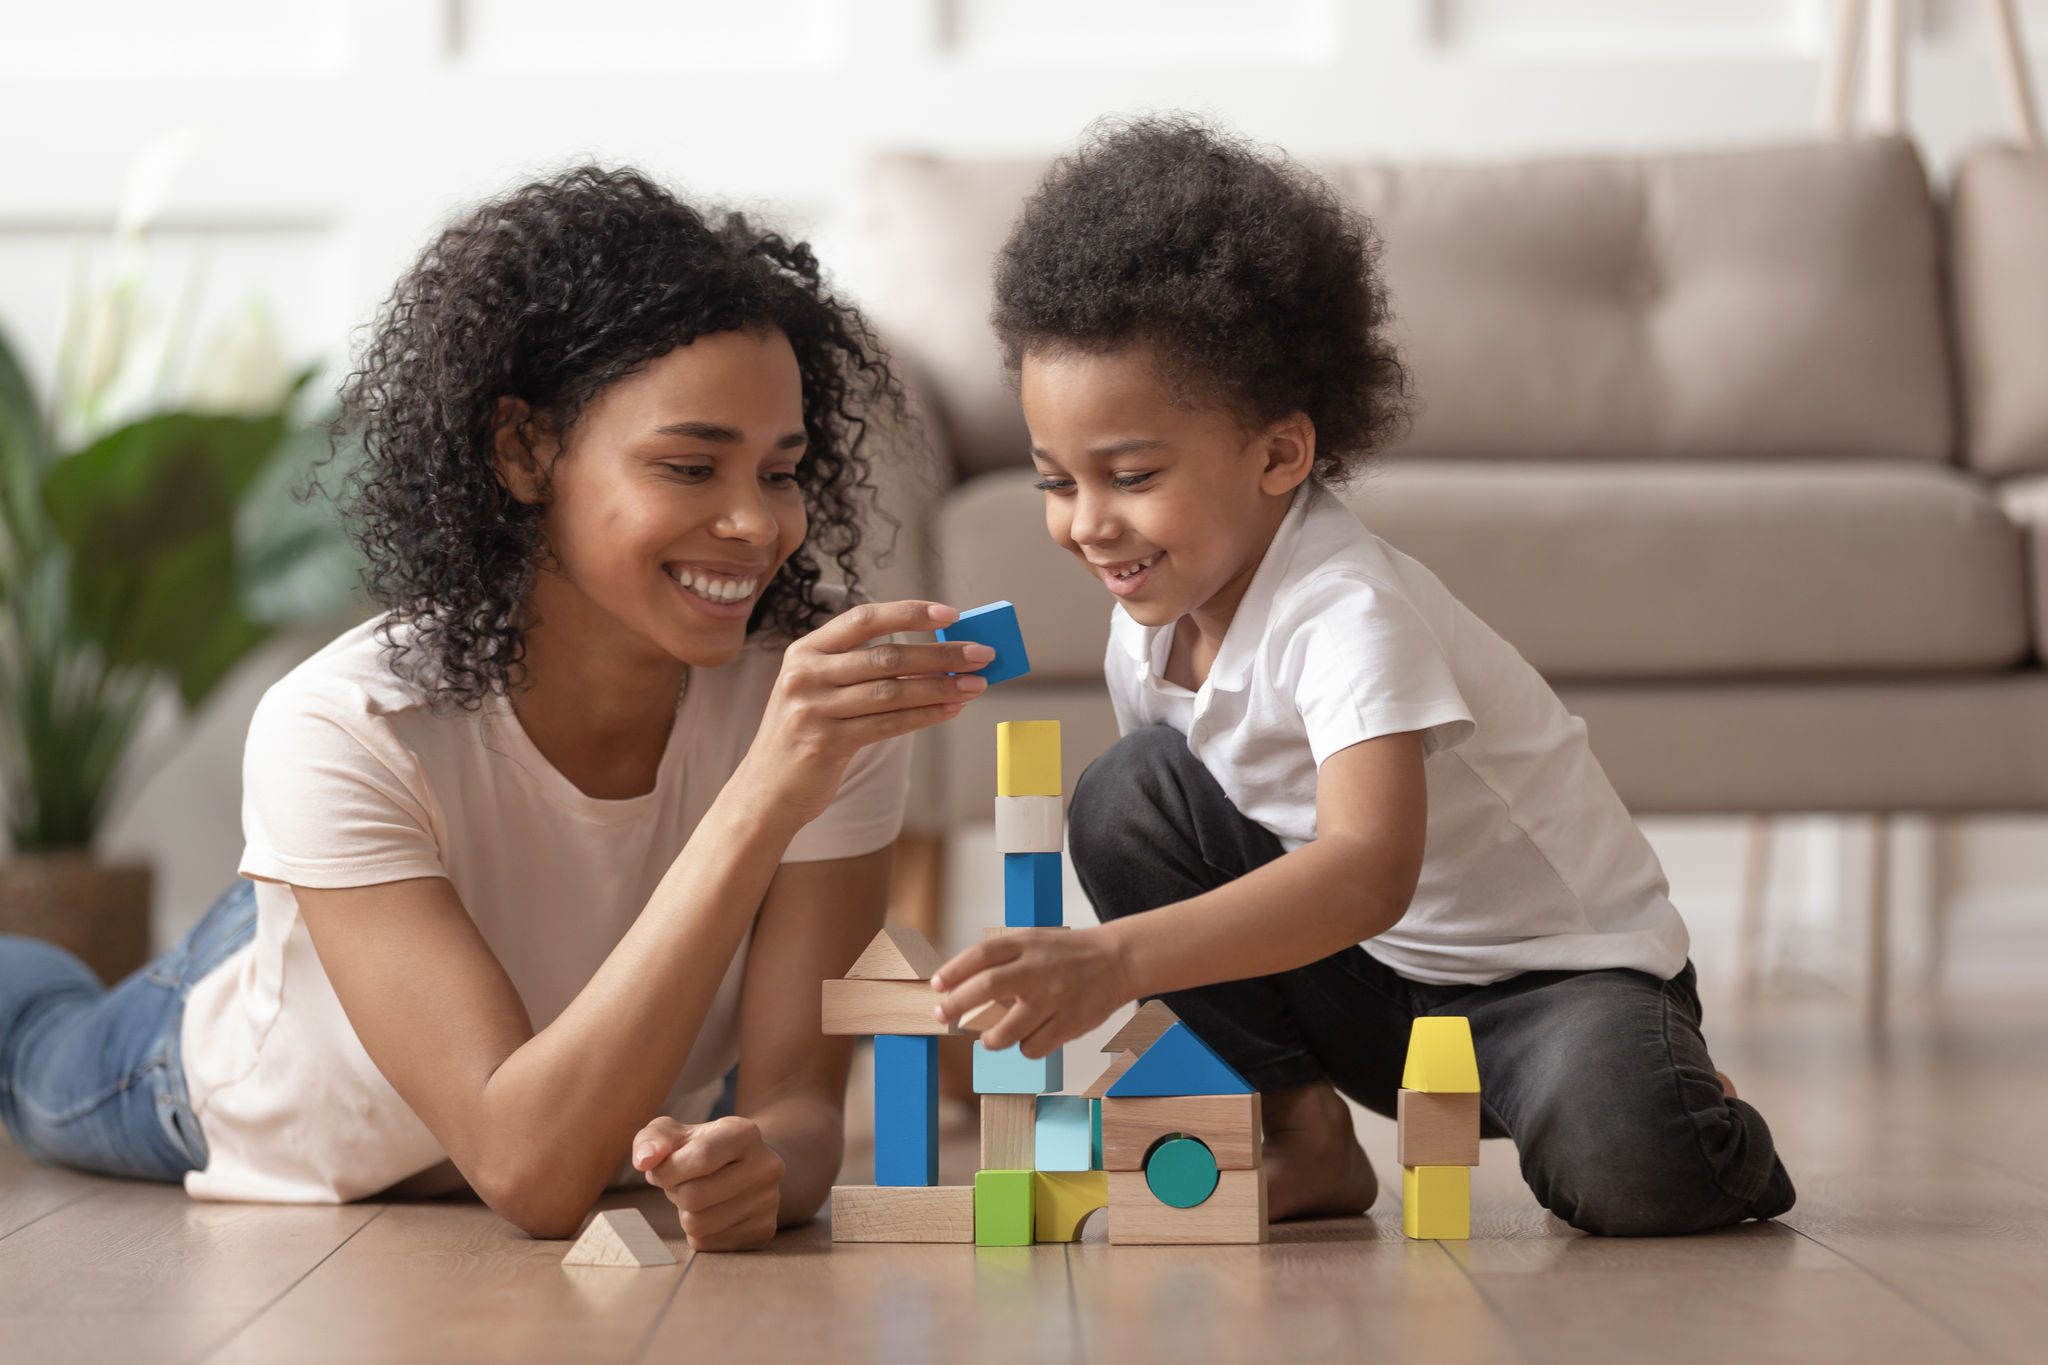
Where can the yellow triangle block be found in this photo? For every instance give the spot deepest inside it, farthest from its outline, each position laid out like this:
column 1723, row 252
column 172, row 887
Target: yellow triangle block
column 1440, row 1056
column 1028, row 758
column 1436, row 1202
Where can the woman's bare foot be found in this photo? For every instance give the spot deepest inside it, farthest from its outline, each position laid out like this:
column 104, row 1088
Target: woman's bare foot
column 1314, row 1164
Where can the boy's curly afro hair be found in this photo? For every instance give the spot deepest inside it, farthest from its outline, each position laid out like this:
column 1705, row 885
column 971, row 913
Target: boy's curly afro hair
column 1254, row 286
column 550, row 294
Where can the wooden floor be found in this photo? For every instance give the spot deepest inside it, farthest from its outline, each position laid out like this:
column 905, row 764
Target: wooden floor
column 1921, row 1234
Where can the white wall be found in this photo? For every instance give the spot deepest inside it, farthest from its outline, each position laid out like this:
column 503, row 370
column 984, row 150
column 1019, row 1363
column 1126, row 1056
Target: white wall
column 330, row 136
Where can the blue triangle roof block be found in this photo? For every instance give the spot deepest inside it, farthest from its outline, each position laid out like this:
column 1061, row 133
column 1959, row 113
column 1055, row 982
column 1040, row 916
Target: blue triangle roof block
column 1179, row 1064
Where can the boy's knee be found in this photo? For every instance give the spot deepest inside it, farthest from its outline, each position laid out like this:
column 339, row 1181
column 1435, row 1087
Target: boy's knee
column 1129, row 777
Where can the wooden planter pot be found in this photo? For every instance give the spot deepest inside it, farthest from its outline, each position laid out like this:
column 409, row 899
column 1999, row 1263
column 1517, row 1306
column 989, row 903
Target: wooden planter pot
column 100, row 911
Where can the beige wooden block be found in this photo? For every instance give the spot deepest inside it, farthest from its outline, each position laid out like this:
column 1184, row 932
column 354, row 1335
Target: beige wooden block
column 1228, row 1126
column 619, row 1237
column 984, row 1017
column 897, row 953
column 1142, row 1029
column 1029, row 824
column 903, row 1213
column 1235, row 1212
column 1009, row 1129
column 1118, row 1065
column 1436, row 1129
column 880, row 1007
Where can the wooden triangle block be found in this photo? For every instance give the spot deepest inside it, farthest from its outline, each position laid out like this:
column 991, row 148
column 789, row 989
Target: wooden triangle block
column 896, row 954
column 619, row 1237
column 1110, row 1075
column 1142, row 1029
column 1179, row 1064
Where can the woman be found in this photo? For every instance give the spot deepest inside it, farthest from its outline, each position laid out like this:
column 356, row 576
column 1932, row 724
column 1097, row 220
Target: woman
column 536, row 855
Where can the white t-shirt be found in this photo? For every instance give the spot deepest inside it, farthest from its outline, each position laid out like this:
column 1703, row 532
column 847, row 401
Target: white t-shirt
column 350, row 780
column 1531, row 863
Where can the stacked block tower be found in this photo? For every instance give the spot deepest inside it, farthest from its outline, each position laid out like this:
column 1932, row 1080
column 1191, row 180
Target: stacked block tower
column 1438, row 1117
column 1168, row 1139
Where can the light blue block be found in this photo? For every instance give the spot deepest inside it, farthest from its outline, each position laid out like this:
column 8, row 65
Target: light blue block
column 1062, row 1133
column 1031, row 891
column 1010, row 1072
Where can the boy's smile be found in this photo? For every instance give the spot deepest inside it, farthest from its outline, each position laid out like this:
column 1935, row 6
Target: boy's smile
column 1170, row 505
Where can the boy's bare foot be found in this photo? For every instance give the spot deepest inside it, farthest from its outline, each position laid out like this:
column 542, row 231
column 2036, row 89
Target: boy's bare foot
column 1727, row 1086
column 1314, row 1164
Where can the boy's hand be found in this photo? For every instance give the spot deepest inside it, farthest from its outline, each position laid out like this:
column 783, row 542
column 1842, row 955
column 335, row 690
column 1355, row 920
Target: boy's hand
column 723, row 1179
column 1063, row 982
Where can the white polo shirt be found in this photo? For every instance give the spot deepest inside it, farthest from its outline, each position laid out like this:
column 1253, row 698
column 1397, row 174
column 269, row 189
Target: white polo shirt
column 1531, row 862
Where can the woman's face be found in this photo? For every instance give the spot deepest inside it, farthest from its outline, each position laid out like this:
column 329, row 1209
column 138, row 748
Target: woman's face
column 677, row 500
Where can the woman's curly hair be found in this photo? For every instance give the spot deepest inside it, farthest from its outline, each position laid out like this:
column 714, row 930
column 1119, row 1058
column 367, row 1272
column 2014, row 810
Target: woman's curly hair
column 1247, row 277
column 550, row 294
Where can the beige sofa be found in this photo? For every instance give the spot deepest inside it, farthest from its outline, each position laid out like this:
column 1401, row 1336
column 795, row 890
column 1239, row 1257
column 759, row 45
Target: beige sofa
column 1742, row 449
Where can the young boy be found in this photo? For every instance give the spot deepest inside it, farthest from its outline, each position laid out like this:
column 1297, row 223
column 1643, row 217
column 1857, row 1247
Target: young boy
column 1340, row 801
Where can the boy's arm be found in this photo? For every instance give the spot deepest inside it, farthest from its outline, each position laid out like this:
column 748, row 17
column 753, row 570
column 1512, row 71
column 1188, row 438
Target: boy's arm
column 1353, row 881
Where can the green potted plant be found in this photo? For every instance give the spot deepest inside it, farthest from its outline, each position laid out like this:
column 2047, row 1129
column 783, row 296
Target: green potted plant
column 139, row 562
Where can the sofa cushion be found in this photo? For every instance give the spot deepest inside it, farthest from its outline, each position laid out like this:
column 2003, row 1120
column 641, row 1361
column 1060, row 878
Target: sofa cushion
column 2026, row 502
column 1779, row 302
column 1635, row 571
column 1999, row 246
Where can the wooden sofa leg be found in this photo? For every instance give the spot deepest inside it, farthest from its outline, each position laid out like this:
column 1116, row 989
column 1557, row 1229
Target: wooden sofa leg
column 1757, row 832
column 1877, row 938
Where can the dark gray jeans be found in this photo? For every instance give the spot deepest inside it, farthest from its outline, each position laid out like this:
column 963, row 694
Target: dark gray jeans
column 1601, row 1077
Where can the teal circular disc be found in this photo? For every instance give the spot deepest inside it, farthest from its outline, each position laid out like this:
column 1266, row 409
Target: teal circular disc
column 1181, row 1171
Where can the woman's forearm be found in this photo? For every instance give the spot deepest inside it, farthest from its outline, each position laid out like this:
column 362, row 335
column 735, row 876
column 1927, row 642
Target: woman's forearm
column 1297, row 909
column 809, row 1133
column 560, row 1110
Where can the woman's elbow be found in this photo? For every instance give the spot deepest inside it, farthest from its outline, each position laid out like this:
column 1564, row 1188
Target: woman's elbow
column 538, row 1203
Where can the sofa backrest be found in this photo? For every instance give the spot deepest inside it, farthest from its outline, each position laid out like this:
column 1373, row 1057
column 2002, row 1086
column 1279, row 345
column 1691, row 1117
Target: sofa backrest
column 1770, row 303
column 1998, row 229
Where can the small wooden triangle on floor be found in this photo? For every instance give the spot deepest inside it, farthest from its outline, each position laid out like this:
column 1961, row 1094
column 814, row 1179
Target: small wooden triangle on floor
column 896, row 954
column 619, row 1237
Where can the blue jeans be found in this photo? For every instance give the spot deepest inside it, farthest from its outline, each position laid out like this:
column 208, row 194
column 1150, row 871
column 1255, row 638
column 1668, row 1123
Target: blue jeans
column 93, row 1078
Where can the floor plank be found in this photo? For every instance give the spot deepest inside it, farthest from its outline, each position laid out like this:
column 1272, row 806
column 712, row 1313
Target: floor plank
column 139, row 1271
column 804, row 1298
column 450, row 1281
column 30, row 1190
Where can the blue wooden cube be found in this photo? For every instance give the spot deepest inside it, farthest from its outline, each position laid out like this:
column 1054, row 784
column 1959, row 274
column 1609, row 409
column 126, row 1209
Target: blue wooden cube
column 1061, row 1136
column 1010, row 1072
column 906, row 1110
column 994, row 625
column 1031, row 890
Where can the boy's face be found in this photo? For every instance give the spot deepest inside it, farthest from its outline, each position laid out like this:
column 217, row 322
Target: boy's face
column 1171, row 508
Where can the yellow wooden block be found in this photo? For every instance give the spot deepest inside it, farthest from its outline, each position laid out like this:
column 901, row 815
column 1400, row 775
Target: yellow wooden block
column 1436, row 1202
column 1440, row 1056
column 1061, row 1199
column 1028, row 758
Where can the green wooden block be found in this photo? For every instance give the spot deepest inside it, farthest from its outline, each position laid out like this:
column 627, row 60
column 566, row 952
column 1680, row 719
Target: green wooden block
column 1095, row 1135
column 1002, row 1208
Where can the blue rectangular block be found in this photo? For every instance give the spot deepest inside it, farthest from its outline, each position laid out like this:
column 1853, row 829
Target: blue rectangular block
column 1031, row 891
column 994, row 625
column 906, row 1110
column 1061, row 1136
column 1010, row 1072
